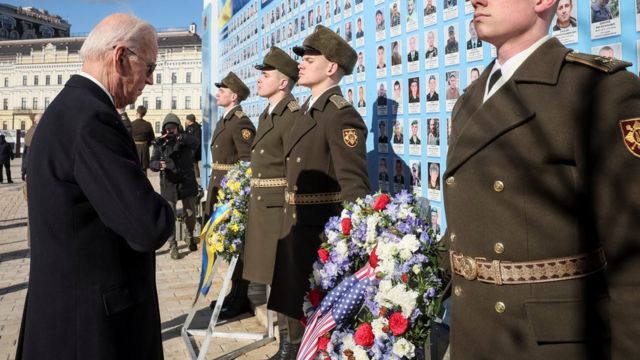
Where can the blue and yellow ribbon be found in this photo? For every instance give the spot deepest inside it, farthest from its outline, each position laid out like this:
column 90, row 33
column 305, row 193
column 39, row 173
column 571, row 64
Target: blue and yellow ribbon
column 208, row 250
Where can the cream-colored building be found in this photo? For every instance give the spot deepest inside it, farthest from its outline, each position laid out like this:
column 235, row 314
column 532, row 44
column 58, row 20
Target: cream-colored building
column 32, row 73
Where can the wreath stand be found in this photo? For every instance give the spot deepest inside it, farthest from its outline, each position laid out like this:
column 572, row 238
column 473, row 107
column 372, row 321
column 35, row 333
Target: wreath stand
column 259, row 339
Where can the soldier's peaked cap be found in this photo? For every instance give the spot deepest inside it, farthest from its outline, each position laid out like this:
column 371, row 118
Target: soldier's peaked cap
column 326, row 42
column 233, row 82
column 277, row 59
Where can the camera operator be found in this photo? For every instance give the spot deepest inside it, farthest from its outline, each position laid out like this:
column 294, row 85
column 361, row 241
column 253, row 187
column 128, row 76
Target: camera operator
column 173, row 157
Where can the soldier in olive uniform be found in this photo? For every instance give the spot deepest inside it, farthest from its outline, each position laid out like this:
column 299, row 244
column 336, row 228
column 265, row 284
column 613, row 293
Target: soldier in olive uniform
column 143, row 135
column 230, row 143
column 279, row 75
column 542, row 198
column 326, row 164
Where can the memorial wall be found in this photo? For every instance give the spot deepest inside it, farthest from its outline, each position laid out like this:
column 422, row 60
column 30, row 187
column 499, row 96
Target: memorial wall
column 415, row 58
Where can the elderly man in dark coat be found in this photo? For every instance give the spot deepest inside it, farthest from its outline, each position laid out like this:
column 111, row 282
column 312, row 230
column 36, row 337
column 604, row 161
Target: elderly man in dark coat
column 95, row 219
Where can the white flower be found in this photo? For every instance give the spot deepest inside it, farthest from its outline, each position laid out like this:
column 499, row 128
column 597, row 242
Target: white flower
column 410, row 242
column 332, row 236
column 398, row 296
column 404, row 348
column 342, row 249
column 385, row 285
column 359, row 353
column 317, row 276
column 405, row 254
column 372, row 223
column 416, row 269
column 344, row 214
column 404, row 211
column 377, row 325
column 348, row 342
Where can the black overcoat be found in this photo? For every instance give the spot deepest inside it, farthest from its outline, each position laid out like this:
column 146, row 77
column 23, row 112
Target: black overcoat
column 95, row 223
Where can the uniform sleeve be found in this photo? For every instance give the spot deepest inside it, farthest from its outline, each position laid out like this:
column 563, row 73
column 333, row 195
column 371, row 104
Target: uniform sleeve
column 107, row 170
column 347, row 139
column 243, row 134
column 612, row 167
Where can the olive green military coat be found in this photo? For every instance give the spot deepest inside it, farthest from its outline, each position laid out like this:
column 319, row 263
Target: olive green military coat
column 231, row 142
column 266, row 203
column 325, row 153
column 541, row 171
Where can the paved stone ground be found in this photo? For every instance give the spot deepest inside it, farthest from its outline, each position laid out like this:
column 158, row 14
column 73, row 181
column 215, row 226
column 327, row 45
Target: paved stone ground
column 177, row 282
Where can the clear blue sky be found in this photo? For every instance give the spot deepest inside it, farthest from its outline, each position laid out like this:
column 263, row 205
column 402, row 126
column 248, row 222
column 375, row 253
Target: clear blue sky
column 83, row 15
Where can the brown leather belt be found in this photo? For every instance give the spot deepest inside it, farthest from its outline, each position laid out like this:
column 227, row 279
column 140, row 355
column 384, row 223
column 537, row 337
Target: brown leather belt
column 311, row 199
column 223, row 167
column 527, row 272
column 268, row 183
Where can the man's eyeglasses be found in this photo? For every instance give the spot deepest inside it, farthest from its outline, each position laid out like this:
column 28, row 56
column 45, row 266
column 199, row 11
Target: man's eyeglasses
column 150, row 67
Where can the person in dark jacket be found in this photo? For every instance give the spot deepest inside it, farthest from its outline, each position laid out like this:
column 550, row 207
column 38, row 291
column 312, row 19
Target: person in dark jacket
column 125, row 119
column 173, row 157
column 143, row 135
column 6, row 155
column 194, row 129
column 96, row 221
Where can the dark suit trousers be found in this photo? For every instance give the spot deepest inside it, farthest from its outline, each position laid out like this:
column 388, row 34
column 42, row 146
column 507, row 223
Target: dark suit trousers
column 7, row 167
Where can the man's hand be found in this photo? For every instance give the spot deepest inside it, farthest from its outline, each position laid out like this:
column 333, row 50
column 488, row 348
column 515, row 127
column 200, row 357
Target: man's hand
column 163, row 165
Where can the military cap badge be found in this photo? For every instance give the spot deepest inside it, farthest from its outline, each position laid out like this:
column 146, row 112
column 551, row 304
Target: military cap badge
column 350, row 137
column 631, row 135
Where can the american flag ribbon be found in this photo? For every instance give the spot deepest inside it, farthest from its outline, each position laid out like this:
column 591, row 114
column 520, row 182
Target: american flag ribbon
column 341, row 304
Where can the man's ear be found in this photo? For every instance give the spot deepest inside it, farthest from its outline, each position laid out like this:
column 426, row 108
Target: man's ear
column 119, row 59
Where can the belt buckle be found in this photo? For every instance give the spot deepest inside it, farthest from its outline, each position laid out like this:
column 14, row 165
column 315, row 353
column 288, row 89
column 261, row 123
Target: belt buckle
column 469, row 268
column 286, row 197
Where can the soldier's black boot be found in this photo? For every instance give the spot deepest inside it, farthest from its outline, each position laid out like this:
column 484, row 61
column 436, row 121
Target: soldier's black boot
column 193, row 245
column 237, row 302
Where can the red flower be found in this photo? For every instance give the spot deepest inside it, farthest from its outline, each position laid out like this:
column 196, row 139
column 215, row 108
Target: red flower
column 323, row 342
column 373, row 258
column 315, row 297
column 383, row 311
column 346, row 226
column 381, row 202
column 398, row 324
column 364, row 335
column 324, row 255
column 404, row 278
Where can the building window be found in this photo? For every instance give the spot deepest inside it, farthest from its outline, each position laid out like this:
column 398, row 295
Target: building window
column 47, row 80
column 59, row 79
column 187, row 102
column 145, row 102
column 23, row 103
column 174, row 102
column 23, row 125
column 174, row 78
column 188, row 79
column 4, row 125
column 157, row 126
column 35, row 103
column 6, row 82
column 46, row 102
column 158, row 103
column 24, row 80
column 5, row 104
column 35, row 80
column 159, row 78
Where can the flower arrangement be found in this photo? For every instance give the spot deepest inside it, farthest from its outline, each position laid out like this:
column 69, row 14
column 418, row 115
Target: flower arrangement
column 403, row 299
column 224, row 234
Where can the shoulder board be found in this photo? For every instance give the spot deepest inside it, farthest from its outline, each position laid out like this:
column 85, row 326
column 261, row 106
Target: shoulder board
column 339, row 101
column 602, row 63
column 293, row 106
column 239, row 113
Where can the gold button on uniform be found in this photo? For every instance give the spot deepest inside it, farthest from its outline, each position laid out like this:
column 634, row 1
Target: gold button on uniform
column 259, row 197
column 498, row 186
column 498, row 248
column 259, row 174
column 215, row 177
column 457, row 290
column 287, row 158
column 452, row 237
column 252, row 151
column 450, row 180
column 298, row 159
column 216, row 146
column 500, row 307
column 294, row 215
column 261, row 151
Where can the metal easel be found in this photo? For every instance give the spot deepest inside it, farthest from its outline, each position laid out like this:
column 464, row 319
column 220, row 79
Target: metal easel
column 259, row 339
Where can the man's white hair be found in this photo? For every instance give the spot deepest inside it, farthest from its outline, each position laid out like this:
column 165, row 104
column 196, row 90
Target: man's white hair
column 126, row 30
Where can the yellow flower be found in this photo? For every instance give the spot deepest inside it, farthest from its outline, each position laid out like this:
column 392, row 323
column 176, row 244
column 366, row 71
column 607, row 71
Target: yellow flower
column 236, row 213
column 234, row 228
column 248, row 172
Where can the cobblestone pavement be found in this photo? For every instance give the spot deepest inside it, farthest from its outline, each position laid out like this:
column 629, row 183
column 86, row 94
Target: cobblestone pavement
column 177, row 282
